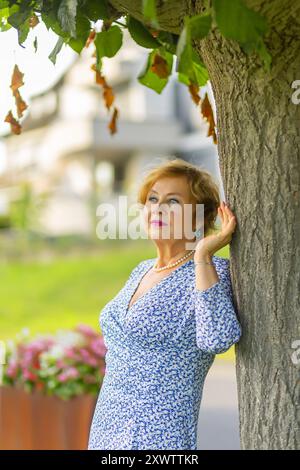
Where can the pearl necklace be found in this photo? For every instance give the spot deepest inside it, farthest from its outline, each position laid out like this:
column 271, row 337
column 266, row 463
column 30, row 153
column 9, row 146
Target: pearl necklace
column 171, row 265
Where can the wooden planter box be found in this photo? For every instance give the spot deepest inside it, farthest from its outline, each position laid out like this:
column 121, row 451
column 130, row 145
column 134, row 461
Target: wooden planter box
column 32, row 421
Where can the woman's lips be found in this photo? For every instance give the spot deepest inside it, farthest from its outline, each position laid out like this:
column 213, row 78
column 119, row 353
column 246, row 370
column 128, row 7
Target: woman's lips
column 158, row 223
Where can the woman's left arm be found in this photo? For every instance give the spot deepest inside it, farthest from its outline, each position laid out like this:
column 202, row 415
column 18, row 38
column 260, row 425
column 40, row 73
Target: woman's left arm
column 217, row 325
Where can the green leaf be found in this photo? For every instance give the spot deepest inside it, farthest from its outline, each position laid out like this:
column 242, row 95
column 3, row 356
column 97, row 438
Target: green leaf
column 83, row 28
column 140, row 34
column 20, row 20
column 96, row 10
column 66, row 15
column 56, row 50
column 4, row 14
column 200, row 70
column 264, row 55
column 108, row 42
column 183, row 79
column 168, row 41
column 189, row 64
column 184, row 50
column 51, row 21
column 236, row 21
column 149, row 78
column 200, row 26
column 183, row 40
column 149, row 12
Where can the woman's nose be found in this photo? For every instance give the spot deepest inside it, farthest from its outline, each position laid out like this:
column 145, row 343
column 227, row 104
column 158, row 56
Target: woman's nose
column 159, row 207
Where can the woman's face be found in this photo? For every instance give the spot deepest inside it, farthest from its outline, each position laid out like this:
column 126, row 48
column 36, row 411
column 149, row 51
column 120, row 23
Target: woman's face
column 169, row 209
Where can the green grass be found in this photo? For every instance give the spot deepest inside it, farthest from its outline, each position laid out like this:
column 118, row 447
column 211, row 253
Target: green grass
column 62, row 292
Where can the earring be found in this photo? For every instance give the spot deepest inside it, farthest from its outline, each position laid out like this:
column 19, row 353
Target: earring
column 198, row 233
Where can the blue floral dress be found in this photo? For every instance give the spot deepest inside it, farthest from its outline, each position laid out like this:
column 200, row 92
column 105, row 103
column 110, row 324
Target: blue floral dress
column 159, row 352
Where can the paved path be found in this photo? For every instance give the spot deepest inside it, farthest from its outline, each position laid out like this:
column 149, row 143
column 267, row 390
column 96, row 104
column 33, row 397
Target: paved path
column 218, row 426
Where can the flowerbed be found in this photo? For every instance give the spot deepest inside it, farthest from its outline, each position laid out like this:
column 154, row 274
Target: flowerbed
column 49, row 389
column 68, row 364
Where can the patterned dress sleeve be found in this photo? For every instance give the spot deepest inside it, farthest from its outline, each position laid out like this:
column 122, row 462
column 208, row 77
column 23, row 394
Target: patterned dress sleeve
column 217, row 326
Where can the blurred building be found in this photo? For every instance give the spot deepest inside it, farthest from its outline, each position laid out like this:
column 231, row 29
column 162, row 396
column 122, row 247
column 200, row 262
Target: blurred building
column 66, row 151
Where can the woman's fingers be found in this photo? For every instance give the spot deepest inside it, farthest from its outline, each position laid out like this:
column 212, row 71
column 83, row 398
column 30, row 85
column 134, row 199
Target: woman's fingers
column 225, row 215
column 231, row 216
column 223, row 221
column 220, row 212
column 228, row 220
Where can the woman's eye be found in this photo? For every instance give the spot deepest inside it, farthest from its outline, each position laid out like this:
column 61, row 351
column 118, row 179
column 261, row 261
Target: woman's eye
column 172, row 199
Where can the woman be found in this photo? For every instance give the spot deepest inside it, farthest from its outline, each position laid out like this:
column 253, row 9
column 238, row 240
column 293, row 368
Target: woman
column 165, row 326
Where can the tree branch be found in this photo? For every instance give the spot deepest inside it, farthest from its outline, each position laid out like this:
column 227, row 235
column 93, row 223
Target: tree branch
column 170, row 13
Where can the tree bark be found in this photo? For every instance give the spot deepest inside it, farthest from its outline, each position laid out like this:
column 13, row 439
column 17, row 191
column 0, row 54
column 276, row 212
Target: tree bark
column 258, row 128
column 259, row 149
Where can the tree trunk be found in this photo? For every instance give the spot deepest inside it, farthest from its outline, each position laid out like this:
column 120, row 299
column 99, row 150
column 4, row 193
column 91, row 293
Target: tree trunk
column 259, row 149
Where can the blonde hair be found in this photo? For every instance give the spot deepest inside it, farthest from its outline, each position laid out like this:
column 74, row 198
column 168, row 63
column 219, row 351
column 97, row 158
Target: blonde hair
column 202, row 186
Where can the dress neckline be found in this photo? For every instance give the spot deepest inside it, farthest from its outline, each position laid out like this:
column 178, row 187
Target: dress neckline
column 159, row 283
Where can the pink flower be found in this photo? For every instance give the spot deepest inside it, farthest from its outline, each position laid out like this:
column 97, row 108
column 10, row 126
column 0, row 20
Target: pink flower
column 12, row 369
column 71, row 354
column 29, row 353
column 88, row 358
column 31, row 364
column 84, row 352
column 70, row 373
column 60, row 364
column 98, row 347
column 28, row 375
column 87, row 331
